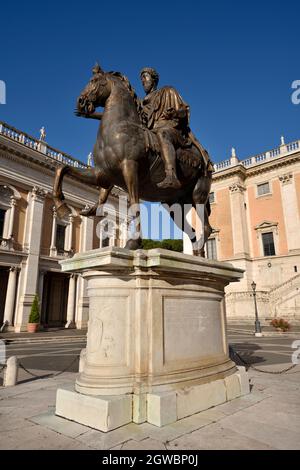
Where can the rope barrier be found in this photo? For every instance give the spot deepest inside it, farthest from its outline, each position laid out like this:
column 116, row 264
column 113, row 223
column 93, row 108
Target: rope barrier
column 232, row 353
column 49, row 375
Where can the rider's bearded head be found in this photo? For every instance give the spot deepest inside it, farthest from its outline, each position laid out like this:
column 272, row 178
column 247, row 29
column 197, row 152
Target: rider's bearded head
column 152, row 72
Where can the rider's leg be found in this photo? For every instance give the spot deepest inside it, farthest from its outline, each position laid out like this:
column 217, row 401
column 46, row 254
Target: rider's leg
column 168, row 154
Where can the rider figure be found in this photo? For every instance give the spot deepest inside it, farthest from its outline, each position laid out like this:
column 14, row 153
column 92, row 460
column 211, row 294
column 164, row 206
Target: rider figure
column 164, row 111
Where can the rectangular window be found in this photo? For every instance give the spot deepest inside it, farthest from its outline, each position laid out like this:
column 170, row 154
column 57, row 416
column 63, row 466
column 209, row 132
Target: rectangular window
column 263, row 189
column 268, row 244
column 211, row 249
column 211, row 197
column 2, row 218
column 60, row 238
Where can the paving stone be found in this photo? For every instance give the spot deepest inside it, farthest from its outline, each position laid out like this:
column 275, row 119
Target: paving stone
column 37, row 437
column 239, row 404
column 9, row 423
column 60, row 425
column 181, row 427
column 216, row 437
column 248, row 424
column 147, row 444
column 101, row 440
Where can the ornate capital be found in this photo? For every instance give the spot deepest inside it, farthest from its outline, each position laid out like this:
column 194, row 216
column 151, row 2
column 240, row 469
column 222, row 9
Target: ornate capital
column 13, row 201
column 286, row 179
column 38, row 194
column 14, row 269
column 237, row 188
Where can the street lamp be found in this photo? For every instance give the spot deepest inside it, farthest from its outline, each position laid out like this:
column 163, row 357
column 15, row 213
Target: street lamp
column 257, row 322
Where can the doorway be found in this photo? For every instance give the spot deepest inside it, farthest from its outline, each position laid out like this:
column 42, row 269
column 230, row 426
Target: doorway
column 55, row 299
column 4, row 273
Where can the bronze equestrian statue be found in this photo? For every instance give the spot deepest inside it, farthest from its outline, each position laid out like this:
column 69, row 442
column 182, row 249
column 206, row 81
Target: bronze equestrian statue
column 143, row 146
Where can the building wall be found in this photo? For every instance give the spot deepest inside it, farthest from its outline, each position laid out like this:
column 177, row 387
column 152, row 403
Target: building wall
column 221, row 219
column 240, row 216
column 29, row 259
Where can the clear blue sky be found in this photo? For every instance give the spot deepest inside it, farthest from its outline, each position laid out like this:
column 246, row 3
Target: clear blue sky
column 232, row 61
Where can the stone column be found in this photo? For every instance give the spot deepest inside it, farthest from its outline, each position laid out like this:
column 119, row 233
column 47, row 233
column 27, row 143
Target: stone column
column 290, row 205
column 123, row 231
column 68, row 245
column 112, row 238
column 10, row 296
column 41, row 291
column 71, row 301
column 238, row 216
column 30, row 268
column 41, row 285
column 53, row 235
column 12, row 216
column 86, row 243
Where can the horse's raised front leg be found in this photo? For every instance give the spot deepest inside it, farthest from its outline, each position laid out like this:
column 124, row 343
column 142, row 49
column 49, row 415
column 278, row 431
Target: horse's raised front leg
column 88, row 176
column 130, row 174
column 58, row 196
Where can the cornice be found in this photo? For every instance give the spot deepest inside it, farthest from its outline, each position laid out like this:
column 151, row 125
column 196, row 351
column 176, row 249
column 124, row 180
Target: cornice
column 263, row 167
column 31, row 158
column 226, row 173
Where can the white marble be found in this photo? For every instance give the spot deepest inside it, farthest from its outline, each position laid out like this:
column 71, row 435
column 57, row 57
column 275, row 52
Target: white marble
column 102, row 413
column 244, row 380
column 199, row 398
column 11, row 372
column 139, row 411
column 156, row 331
column 233, row 387
column 161, row 408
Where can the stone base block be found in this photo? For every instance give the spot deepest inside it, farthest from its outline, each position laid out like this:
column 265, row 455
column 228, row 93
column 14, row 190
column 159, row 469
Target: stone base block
column 161, row 408
column 166, row 408
column 103, row 413
column 139, row 408
column 109, row 412
column 200, row 398
column 244, row 380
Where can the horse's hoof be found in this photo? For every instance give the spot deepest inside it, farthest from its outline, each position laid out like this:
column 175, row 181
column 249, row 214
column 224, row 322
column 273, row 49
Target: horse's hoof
column 89, row 211
column 58, row 195
column 170, row 181
column 199, row 253
column 63, row 211
column 133, row 244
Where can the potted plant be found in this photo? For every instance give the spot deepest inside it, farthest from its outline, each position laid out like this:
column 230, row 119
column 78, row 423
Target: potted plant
column 34, row 317
column 280, row 324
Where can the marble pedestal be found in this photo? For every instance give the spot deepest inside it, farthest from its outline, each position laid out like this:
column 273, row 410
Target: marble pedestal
column 157, row 348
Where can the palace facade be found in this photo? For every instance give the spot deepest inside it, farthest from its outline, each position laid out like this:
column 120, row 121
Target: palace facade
column 256, row 226
column 255, row 218
column 33, row 239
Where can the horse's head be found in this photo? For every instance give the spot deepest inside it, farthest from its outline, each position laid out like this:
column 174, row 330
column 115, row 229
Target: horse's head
column 95, row 93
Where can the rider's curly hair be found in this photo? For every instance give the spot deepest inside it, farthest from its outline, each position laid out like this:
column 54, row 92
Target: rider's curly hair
column 152, row 72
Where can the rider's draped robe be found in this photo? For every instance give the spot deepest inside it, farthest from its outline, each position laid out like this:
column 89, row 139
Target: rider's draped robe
column 153, row 109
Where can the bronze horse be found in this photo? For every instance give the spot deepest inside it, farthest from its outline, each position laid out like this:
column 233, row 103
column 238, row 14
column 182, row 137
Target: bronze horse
column 126, row 155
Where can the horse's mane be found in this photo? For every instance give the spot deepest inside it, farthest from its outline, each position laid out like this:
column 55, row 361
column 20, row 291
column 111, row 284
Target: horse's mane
column 126, row 82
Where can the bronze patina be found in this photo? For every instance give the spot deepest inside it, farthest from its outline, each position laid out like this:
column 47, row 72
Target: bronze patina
column 144, row 146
